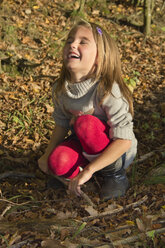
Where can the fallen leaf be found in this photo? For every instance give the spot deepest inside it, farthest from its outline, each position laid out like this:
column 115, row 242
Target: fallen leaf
column 118, row 234
column 140, row 225
column 129, row 222
column 64, row 234
column 91, row 210
column 26, row 40
column 64, row 215
column 14, row 238
column 36, row 88
column 49, row 243
column 68, row 244
column 49, row 108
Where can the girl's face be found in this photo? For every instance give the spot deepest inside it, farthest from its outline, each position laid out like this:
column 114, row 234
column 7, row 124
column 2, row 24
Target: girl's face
column 80, row 53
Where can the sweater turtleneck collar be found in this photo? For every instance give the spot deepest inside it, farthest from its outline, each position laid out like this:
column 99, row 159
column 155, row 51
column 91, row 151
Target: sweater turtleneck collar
column 78, row 90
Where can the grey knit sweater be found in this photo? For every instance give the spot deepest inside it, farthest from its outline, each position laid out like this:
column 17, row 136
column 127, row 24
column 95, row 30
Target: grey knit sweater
column 82, row 98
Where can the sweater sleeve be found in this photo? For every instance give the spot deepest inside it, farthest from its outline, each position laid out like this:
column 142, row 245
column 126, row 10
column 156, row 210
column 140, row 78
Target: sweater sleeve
column 117, row 112
column 59, row 114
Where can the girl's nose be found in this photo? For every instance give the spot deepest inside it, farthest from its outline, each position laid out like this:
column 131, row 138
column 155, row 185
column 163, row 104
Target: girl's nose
column 73, row 45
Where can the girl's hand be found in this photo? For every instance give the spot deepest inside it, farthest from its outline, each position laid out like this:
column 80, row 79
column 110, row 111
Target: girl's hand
column 80, row 179
column 43, row 164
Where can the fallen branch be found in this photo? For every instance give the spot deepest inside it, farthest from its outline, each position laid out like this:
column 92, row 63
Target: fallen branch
column 146, row 156
column 128, row 240
column 85, row 196
column 16, row 174
column 137, row 237
column 115, row 211
column 13, row 203
column 4, row 212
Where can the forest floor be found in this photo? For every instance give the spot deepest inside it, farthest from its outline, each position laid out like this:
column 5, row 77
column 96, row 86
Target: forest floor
column 33, row 213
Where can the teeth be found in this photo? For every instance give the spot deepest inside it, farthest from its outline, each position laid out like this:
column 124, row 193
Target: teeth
column 73, row 56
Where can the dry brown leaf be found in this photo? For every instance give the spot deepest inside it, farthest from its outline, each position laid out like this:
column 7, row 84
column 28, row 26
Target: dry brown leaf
column 95, row 12
column 140, row 225
column 64, row 215
column 49, row 243
column 26, row 40
column 93, row 243
column 14, row 238
column 91, row 210
column 49, row 108
column 64, row 234
column 28, row 141
column 110, row 207
column 68, row 244
column 118, row 234
column 35, row 87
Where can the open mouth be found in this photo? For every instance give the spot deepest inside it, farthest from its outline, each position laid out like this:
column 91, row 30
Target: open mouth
column 73, row 56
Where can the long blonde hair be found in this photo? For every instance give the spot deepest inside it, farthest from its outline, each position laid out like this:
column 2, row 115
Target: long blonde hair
column 108, row 68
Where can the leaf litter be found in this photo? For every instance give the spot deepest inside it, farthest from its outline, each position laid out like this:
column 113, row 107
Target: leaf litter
column 32, row 214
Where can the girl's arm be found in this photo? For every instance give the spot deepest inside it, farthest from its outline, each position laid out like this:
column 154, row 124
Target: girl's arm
column 57, row 137
column 115, row 150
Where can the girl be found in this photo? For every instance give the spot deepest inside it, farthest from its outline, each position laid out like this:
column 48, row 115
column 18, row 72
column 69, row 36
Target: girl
column 92, row 101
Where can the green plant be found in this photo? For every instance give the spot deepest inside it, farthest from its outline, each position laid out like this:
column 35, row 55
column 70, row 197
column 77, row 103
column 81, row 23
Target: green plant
column 155, row 180
column 79, row 229
column 33, row 30
column 7, row 244
column 101, row 5
column 133, row 80
column 9, row 33
column 156, row 116
column 22, row 121
column 54, row 49
column 76, row 13
column 32, row 3
column 145, row 126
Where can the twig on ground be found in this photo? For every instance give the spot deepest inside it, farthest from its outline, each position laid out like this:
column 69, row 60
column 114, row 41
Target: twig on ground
column 128, row 240
column 13, row 203
column 147, row 155
column 4, row 211
column 115, row 211
column 144, row 157
column 85, row 196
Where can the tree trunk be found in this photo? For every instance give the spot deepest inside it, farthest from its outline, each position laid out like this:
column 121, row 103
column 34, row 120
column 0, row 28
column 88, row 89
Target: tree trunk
column 82, row 4
column 148, row 7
